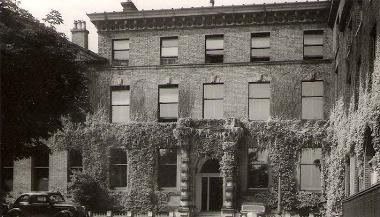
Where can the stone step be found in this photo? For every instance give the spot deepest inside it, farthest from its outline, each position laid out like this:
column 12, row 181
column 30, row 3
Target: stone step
column 209, row 214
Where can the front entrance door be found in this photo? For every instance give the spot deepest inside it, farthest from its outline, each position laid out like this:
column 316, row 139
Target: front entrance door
column 212, row 193
column 209, row 195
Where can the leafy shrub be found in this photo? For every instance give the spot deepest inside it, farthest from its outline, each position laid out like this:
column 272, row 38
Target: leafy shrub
column 87, row 191
column 307, row 202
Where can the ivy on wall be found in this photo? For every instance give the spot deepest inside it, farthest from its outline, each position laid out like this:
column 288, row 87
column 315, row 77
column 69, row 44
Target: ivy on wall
column 347, row 130
column 209, row 138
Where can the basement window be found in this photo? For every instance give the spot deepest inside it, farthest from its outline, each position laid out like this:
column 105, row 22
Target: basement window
column 167, row 171
column 313, row 44
column 168, row 103
column 214, row 49
column 120, row 104
column 310, row 171
column 169, row 51
column 260, row 46
column 118, row 168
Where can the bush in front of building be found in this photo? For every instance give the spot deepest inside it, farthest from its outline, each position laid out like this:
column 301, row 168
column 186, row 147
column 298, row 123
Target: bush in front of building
column 87, row 191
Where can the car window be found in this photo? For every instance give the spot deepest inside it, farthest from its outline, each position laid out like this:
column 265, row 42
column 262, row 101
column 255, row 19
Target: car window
column 39, row 199
column 22, row 199
column 56, row 198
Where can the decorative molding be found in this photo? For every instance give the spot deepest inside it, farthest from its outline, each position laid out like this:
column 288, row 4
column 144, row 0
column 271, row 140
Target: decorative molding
column 121, row 22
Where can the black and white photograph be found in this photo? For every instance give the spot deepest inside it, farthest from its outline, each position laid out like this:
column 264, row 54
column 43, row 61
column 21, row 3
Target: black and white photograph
column 190, row 108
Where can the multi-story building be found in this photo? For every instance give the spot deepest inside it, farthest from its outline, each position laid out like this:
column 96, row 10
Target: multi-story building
column 249, row 63
column 206, row 97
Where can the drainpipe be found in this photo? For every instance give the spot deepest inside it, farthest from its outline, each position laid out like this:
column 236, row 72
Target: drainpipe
column 279, row 195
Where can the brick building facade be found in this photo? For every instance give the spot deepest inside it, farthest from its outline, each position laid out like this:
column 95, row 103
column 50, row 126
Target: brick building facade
column 238, row 64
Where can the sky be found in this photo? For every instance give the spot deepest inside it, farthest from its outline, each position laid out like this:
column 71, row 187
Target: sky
column 76, row 10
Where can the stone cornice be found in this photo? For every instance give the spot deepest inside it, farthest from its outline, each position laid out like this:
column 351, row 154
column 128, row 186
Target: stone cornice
column 205, row 17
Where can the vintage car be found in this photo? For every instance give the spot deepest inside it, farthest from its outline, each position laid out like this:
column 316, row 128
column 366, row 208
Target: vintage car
column 45, row 204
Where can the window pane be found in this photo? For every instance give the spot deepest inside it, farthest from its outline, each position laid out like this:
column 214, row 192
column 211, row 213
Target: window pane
column 313, row 51
column 118, row 168
column 38, row 199
column 260, row 52
column 121, row 55
column 214, row 43
column 118, row 176
column 120, row 97
column 313, row 39
column 259, row 109
column 168, row 94
column 75, row 158
column 169, row 42
column 120, row 44
column 213, row 91
column 214, row 58
column 214, row 52
column 169, row 110
column 256, row 156
column 41, row 179
column 309, row 155
column 41, row 159
column 312, row 108
column 120, row 114
column 258, row 175
column 118, row 156
column 312, row 88
column 169, row 52
column 260, row 42
column 310, row 177
column 167, row 176
column 213, row 109
column 168, row 156
column 259, row 90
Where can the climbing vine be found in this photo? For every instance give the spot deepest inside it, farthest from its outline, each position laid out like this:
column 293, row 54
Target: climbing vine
column 208, row 138
column 347, row 132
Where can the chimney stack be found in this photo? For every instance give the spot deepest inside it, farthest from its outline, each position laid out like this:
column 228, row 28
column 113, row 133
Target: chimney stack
column 128, row 6
column 79, row 34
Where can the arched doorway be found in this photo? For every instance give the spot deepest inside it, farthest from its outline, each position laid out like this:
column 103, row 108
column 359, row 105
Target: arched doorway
column 209, row 187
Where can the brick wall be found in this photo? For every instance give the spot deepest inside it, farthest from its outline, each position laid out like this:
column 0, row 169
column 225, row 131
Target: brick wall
column 22, row 176
column 286, row 43
column 285, row 71
column 285, row 81
column 357, row 76
column 58, row 171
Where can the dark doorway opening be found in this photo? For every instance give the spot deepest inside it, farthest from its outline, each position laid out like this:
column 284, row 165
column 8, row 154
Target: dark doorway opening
column 212, row 187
